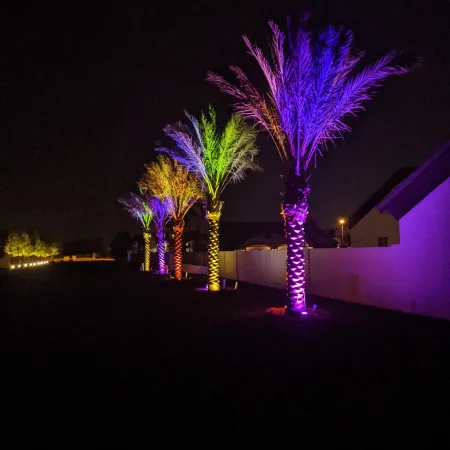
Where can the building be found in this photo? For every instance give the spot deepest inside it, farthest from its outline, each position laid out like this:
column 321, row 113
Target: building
column 242, row 235
column 368, row 227
column 421, row 204
column 413, row 276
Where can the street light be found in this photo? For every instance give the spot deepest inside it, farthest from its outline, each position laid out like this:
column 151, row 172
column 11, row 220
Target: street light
column 342, row 222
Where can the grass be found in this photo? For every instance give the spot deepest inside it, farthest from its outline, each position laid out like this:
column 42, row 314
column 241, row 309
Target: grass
column 94, row 349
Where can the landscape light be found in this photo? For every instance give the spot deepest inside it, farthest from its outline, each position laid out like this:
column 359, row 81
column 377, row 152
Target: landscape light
column 12, row 267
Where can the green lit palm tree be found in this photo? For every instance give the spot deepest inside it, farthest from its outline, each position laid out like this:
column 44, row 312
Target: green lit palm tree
column 216, row 157
column 138, row 206
column 169, row 180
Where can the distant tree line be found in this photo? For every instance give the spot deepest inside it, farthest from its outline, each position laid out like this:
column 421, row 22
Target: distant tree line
column 23, row 246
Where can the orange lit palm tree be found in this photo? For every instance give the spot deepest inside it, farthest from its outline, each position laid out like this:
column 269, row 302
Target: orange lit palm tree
column 167, row 179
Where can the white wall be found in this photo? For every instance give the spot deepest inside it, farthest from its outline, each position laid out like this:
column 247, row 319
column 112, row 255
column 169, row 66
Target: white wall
column 412, row 277
column 370, row 276
column 372, row 226
column 425, row 235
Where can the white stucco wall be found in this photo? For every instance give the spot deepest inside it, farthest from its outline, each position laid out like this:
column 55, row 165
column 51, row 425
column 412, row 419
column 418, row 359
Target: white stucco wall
column 372, row 226
column 413, row 277
column 425, row 235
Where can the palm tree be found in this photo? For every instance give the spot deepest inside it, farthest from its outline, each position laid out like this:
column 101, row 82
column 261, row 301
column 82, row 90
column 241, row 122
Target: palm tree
column 216, row 157
column 138, row 206
column 312, row 86
column 167, row 179
column 161, row 217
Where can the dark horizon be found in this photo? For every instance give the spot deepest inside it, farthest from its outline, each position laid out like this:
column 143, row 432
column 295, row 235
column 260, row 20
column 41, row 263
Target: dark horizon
column 86, row 92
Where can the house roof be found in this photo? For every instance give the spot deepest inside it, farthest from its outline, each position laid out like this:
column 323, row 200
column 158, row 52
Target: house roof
column 237, row 235
column 394, row 180
column 425, row 179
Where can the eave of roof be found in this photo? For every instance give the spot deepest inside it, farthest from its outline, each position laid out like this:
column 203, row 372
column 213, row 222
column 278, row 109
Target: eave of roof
column 411, row 191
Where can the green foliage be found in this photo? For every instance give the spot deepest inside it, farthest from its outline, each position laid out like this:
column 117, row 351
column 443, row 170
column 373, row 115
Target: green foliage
column 20, row 245
column 217, row 157
column 138, row 206
column 54, row 249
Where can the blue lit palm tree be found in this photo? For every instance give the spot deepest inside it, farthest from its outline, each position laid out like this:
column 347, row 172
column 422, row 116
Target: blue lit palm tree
column 161, row 217
column 312, row 87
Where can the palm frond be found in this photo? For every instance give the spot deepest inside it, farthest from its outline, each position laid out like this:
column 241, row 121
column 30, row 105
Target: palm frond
column 171, row 182
column 311, row 89
column 216, row 157
column 139, row 207
column 161, row 212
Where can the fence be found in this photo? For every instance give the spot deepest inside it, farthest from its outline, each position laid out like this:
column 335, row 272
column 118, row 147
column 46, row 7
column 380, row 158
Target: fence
column 377, row 276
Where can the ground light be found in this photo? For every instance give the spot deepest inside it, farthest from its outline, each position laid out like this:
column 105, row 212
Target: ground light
column 35, row 264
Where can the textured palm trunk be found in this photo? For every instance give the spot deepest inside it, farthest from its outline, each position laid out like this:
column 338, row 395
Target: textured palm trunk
column 295, row 211
column 147, row 251
column 213, row 213
column 178, row 251
column 161, row 254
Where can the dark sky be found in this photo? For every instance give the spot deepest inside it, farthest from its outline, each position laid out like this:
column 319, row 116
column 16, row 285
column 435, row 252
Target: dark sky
column 86, row 90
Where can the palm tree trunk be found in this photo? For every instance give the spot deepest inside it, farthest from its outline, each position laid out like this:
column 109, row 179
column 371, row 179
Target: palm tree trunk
column 161, row 254
column 178, row 251
column 295, row 211
column 213, row 213
column 147, row 251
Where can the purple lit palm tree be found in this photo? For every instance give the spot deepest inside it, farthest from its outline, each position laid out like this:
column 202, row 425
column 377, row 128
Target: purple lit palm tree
column 161, row 217
column 138, row 206
column 311, row 88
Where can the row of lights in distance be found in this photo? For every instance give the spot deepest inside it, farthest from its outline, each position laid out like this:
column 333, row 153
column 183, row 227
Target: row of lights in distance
column 19, row 266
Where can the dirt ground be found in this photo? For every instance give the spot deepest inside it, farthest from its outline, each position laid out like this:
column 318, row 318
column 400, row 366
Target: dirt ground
column 100, row 356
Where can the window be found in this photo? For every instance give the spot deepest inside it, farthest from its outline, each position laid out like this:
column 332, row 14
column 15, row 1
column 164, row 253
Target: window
column 382, row 241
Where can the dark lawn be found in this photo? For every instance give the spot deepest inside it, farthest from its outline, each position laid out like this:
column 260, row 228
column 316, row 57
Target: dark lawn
column 94, row 349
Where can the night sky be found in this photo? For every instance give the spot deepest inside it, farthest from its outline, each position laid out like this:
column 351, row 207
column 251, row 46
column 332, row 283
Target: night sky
column 87, row 89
